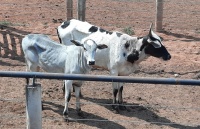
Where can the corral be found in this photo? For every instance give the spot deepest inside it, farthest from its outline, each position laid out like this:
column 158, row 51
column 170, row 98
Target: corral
column 151, row 106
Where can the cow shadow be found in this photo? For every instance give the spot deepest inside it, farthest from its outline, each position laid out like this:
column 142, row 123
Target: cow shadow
column 10, row 43
column 188, row 38
column 103, row 123
column 144, row 113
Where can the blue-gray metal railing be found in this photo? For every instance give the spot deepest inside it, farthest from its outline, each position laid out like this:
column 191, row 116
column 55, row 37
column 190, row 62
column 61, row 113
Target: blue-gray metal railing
column 126, row 79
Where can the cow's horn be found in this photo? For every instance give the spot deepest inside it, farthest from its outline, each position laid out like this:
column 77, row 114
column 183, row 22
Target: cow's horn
column 150, row 29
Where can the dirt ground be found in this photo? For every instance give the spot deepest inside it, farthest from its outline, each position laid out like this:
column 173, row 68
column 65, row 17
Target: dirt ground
column 150, row 106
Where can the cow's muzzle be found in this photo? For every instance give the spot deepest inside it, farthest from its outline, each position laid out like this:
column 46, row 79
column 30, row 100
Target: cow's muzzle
column 168, row 57
column 91, row 62
column 134, row 56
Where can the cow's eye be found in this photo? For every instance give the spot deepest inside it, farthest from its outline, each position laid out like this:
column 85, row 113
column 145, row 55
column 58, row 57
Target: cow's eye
column 126, row 45
column 85, row 49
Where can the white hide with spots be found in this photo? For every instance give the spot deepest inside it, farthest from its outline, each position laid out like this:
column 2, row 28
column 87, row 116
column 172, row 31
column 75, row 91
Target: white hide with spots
column 123, row 54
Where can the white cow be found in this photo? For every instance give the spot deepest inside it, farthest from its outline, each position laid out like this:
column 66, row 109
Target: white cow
column 42, row 52
column 123, row 54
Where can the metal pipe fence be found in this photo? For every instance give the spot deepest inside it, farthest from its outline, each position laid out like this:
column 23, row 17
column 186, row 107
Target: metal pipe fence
column 125, row 79
column 16, row 74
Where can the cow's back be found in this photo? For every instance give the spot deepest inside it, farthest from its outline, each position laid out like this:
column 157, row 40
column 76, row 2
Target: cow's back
column 40, row 50
column 73, row 30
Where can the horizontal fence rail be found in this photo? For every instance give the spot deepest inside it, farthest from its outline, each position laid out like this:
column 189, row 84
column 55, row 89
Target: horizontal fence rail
column 34, row 117
column 103, row 78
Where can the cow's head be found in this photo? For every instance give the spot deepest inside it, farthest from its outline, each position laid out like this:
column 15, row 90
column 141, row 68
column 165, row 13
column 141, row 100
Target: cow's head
column 152, row 45
column 90, row 48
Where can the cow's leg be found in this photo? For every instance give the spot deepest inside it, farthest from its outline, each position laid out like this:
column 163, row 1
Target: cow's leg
column 63, row 89
column 115, row 105
column 115, row 86
column 77, row 94
column 68, row 86
column 120, row 98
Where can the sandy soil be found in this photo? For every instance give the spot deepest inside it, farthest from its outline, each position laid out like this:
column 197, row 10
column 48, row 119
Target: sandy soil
column 151, row 106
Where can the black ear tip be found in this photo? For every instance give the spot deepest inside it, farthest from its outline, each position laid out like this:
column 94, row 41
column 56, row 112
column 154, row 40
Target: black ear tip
column 73, row 41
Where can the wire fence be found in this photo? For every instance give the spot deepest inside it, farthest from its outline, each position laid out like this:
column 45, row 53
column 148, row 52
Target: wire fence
column 180, row 19
column 138, row 14
column 139, row 122
column 149, row 108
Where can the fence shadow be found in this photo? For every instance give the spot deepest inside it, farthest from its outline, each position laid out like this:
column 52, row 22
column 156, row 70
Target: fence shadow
column 104, row 123
column 10, row 42
column 142, row 113
column 187, row 37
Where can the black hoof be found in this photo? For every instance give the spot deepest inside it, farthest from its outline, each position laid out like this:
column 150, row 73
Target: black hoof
column 66, row 118
column 122, row 107
column 65, row 115
column 115, row 109
column 81, row 114
column 128, row 109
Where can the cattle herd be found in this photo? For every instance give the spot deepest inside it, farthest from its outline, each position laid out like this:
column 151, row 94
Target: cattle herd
column 84, row 46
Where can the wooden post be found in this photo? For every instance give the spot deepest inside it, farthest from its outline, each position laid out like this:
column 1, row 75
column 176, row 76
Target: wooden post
column 33, row 106
column 69, row 9
column 159, row 15
column 81, row 10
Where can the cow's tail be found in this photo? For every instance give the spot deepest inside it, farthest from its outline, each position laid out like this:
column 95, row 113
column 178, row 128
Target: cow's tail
column 58, row 36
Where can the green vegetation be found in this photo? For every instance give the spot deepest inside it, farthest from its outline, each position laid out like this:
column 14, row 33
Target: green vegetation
column 129, row 31
column 7, row 23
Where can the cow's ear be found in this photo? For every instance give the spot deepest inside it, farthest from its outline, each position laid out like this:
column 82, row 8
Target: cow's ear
column 76, row 43
column 102, row 46
column 155, row 43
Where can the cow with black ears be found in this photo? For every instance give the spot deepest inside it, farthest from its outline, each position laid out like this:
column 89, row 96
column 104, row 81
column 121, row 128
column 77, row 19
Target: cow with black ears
column 124, row 52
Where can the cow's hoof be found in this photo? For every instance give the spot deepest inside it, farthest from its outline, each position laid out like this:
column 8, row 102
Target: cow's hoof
column 81, row 114
column 122, row 107
column 66, row 118
column 115, row 109
column 128, row 109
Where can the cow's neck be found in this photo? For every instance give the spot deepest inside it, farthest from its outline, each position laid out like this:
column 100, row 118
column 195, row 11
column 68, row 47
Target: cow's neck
column 144, row 42
column 142, row 55
column 83, row 62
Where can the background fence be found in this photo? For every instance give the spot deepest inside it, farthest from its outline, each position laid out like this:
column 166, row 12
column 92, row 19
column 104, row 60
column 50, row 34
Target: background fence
column 180, row 18
column 177, row 14
column 18, row 18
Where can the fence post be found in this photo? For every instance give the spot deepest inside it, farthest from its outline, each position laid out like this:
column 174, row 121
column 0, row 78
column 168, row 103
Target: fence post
column 81, row 10
column 33, row 106
column 159, row 15
column 69, row 9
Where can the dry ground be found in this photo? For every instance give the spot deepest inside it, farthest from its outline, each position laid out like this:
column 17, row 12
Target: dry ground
column 156, row 106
